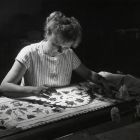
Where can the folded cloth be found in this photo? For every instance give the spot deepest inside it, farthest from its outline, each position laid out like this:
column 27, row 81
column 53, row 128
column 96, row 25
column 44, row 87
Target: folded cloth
column 132, row 83
column 114, row 79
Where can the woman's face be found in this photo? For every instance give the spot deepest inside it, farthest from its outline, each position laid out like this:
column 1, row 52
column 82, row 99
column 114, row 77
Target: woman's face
column 57, row 41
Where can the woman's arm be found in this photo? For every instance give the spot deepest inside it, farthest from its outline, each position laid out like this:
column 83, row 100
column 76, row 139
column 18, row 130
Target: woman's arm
column 88, row 74
column 9, row 86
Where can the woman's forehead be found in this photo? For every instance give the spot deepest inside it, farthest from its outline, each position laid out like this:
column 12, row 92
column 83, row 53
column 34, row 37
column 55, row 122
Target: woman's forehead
column 60, row 39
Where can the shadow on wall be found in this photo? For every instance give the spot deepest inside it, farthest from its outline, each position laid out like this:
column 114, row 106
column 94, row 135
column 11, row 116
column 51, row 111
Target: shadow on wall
column 22, row 30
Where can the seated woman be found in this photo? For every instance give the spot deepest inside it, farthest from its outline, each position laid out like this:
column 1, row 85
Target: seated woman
column 49, row 62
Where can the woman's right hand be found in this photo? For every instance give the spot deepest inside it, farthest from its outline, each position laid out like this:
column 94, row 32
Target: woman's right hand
column 38, row 91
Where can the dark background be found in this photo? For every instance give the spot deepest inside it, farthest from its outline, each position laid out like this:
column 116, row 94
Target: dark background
column 111, row 31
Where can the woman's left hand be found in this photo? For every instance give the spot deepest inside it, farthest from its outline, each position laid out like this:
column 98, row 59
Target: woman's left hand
column 106, row 85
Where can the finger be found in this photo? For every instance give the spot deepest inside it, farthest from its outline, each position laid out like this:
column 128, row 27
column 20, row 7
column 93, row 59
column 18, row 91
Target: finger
column 51, row 89
column 54, row 90
column 45, row 91
column 45, row 85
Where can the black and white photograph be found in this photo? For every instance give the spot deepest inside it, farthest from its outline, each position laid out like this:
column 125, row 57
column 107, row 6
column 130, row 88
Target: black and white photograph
column 69, row 70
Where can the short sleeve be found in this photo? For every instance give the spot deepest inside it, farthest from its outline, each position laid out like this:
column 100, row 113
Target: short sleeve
column 24, row 56
column 75, row 61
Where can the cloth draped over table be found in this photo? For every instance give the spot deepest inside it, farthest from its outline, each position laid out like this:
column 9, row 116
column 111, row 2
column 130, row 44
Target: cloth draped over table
column 131, row 82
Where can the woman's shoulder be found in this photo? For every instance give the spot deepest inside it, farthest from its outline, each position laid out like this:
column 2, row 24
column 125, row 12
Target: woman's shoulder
column 32, row 47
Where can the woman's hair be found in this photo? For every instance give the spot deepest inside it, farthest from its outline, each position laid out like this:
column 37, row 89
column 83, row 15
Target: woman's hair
column 68, row 27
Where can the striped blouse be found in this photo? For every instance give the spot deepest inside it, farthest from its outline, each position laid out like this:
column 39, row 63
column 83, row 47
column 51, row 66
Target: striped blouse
column 43, row 69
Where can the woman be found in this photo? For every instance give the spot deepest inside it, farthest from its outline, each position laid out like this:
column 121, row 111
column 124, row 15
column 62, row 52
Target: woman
column 49, row 62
